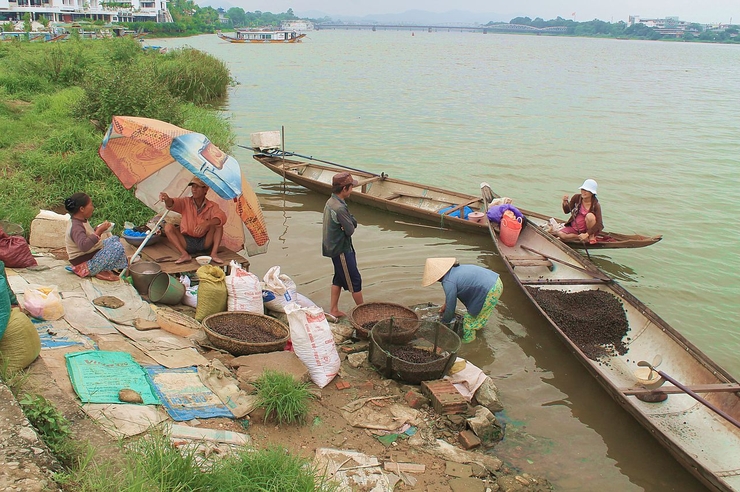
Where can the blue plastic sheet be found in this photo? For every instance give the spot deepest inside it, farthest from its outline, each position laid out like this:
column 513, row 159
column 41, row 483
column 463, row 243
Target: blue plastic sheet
column 183, row 394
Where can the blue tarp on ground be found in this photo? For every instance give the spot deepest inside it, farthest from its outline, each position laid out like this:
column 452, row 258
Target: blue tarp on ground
column 183, row 394
column 98, row 375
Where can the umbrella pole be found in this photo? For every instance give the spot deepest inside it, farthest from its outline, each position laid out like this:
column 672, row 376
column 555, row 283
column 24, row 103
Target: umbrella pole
column 143, row 243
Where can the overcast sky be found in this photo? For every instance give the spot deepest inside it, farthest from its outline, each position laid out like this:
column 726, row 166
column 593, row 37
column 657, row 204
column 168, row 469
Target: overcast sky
column 706, row 11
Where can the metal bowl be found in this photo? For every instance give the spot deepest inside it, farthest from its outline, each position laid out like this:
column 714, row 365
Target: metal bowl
column 136, row 241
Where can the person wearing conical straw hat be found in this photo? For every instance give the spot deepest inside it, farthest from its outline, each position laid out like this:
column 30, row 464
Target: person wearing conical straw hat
column 585, row 221
column 479, row 289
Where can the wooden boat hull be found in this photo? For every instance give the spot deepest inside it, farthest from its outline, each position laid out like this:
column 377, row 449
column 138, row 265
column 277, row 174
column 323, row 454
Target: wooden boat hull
column 705, row 443
column 230, row 39
column 416, row 200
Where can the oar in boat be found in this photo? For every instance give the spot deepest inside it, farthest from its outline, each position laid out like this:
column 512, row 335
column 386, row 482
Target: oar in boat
column 568, row 264
column 688, row 391
column 311, row 158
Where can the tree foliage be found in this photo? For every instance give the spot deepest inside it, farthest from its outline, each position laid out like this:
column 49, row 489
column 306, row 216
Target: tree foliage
column 599, row 28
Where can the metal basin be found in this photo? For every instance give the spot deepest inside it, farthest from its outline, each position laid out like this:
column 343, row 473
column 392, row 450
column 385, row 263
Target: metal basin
column 142, row 274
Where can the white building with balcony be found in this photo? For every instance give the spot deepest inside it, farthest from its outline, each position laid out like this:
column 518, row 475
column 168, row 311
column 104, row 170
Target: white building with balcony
column 74, row 10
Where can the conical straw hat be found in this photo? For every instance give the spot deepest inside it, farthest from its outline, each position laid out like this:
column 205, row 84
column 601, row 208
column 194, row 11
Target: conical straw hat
column 435, row 268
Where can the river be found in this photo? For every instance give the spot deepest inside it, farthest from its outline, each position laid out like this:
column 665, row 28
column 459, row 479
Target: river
column 654, row 123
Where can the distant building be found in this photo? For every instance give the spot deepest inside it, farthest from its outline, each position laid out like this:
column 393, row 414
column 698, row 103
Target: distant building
column 295, row 25
column 110, row 11
column 670, row 26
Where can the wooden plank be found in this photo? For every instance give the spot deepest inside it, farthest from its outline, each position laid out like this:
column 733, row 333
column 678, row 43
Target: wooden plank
column 363, row 182
column 462, row 205
column 392, row 466
column 164, row 254
column 562, row 281
column 698, row 388
column 531, row 262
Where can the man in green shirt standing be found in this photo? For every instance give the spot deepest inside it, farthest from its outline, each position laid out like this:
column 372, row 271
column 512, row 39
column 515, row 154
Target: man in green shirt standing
column 338, row 227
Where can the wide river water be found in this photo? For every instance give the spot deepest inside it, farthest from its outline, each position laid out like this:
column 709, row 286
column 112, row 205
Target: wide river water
column 655, row 123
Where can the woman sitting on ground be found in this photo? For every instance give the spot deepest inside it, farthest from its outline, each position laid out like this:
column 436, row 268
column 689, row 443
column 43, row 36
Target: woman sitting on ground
column 89, row 255
column 585, row 215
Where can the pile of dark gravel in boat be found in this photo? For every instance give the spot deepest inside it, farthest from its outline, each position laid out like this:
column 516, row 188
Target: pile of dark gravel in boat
column 595, row 320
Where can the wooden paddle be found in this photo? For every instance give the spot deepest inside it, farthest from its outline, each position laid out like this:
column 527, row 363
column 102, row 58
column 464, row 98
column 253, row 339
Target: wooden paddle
column 600, row 276
column 688, row 391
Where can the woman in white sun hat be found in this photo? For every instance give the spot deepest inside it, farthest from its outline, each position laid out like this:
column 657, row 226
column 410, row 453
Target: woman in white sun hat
column 585, row 221
column 479, row 289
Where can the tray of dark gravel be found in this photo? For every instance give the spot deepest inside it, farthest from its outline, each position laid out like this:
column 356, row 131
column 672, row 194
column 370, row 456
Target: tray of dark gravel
column 594, row 320
column 243, row 333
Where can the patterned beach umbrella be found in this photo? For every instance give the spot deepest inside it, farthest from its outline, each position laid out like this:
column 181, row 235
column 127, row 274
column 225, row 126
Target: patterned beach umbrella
column 154, row 156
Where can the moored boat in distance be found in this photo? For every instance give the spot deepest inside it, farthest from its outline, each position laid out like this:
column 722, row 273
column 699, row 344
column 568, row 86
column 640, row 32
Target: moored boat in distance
column 262, row 36
column 704, row 436
column 438, row 206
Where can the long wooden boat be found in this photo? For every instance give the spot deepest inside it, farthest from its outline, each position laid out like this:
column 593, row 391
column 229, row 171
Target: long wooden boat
column 702, row 440
column 428, row 203
column 262, row 37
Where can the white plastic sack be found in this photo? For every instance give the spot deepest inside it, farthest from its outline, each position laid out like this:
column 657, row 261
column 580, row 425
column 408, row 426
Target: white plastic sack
column 191, row 293
column 313, row 342
column 279, row 290
column 304, row 301
column 244, row 290
column 43, row 302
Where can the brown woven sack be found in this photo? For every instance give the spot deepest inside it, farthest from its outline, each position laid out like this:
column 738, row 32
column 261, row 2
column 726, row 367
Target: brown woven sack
column 20, row 344
column 212, row 293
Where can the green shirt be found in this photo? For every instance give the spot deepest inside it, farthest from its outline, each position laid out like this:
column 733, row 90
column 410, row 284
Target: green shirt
column 338, row 227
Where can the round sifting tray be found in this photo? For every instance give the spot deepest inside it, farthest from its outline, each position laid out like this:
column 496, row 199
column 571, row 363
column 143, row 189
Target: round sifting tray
column 428, row 356
column 216, row 327
column 371, row 312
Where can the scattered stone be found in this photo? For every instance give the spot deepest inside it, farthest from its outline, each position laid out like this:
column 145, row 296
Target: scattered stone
column 108, row 302
column 362, row 346
column 479, row 471
column 467, row 485
column 251, row 367
column 457, row 422
column 487, row 395
column 28, row 434
column 468, row 440
column 485, row 426
column 342, row 385
column 414, row 399
column 341, row 332
column 521, row 480
column 367, row 386
column 128, row 395
column 458, row 470
column 508, row 483
column 356, row 359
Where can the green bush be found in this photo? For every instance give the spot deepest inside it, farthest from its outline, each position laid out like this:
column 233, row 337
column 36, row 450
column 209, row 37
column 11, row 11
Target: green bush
column 193, row 76
column 111, row 91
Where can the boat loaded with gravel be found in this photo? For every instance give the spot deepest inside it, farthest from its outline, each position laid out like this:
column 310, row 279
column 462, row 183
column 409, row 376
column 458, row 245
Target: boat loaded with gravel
column 435, row 205
column 632, row 352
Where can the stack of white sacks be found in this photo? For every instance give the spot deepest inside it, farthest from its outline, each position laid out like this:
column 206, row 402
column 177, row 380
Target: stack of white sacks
column 310, row 334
